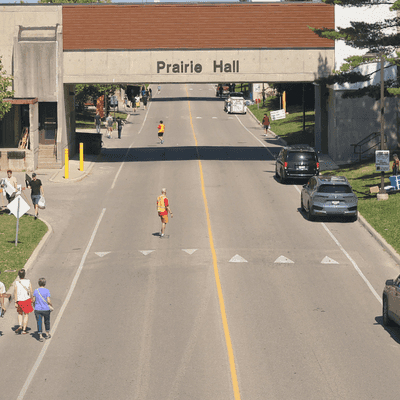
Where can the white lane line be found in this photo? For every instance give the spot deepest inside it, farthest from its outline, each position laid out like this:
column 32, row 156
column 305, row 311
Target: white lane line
column 354, row 264
column 328, row 260
column 283, row 260
column 102, row 253
column 255, row 137
column 189, row 251
column 123, row 161
column 60, row 314
column 350, row 259
column 237, row 258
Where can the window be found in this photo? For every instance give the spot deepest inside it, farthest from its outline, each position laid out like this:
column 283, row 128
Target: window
column 301, row 157
column 334, row 189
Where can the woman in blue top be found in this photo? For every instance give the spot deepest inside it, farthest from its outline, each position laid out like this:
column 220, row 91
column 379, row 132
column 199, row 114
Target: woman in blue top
column 41, row 297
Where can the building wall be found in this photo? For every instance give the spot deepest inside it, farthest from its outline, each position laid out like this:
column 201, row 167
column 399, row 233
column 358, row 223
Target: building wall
column 32, row 15
column 289, row 65
column 352, row 120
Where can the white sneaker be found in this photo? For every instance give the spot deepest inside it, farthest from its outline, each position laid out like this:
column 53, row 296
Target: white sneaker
column 161, row 234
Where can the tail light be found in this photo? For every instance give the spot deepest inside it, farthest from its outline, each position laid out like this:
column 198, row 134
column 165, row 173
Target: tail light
column 317, row 165
column 285, row 165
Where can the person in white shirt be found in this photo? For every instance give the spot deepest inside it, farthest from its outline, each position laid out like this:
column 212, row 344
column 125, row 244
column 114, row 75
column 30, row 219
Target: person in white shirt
column 23, row 303
column 2, row 292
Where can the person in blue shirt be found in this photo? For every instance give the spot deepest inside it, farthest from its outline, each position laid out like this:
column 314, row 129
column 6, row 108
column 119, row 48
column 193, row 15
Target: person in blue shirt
column 43, row 306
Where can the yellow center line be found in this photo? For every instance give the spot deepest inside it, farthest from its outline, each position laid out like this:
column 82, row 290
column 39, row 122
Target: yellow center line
column 228, row 341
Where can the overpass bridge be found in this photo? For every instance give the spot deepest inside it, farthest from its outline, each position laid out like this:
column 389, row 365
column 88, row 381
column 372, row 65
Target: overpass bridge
column 49, row 48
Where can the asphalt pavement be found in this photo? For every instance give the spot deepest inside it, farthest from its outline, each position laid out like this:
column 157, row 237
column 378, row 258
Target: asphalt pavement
column 243, row 299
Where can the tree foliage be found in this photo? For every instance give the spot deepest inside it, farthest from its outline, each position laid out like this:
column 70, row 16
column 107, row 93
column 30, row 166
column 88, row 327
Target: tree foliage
column 90, row 93
column 376, row 37
column 5, row 91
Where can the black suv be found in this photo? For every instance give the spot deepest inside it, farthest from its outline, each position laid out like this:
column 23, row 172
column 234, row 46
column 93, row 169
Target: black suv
column 299, row 161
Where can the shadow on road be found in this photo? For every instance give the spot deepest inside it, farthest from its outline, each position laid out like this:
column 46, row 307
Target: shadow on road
column 162, row 153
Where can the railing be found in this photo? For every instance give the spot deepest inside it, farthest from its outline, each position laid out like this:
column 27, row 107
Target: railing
column 374, row 137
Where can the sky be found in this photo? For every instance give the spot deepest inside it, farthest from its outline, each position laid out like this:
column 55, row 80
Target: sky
column 132, row 1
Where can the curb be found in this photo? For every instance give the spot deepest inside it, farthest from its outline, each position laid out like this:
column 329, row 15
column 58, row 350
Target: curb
column 377, row 236
column 30, row 261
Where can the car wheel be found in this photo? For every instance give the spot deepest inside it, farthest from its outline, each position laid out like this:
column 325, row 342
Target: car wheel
column 385, row 313
column 301, row 204
column 309, row 214
column 354, row 218
column 283, row 177
column 276, row 173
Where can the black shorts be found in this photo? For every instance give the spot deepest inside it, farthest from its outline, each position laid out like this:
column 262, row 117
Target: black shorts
column 160, row 134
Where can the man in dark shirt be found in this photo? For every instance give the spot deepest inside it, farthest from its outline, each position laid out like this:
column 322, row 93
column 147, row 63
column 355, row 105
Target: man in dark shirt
column 37, row 189
column 97, row 120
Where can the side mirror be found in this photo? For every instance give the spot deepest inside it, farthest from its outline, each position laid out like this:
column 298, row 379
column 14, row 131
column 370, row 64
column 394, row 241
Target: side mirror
column 389, row 282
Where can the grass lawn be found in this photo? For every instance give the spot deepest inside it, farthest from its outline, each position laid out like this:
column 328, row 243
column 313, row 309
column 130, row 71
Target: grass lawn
column 383, row 215
column 291, row 128
column 85, row 119
column 14, row 257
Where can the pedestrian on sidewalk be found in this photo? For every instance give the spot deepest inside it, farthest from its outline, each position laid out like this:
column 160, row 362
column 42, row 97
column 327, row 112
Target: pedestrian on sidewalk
column 150, row 94
column 2, row 293
column 36, row 191
column 43, row 307
column 161, row 130
column 120, row 123
column 158, row 89
column 12, row 181
column 110, row 122
column 163, row 209
column 395, row 167
column 137, row 102
column 23, row 301
column 97, row 120
column 266, row 124
column 144, row 100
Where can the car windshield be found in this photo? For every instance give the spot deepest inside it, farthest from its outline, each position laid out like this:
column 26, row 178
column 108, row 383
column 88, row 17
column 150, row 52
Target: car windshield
column 300, row 157
column 334, row 189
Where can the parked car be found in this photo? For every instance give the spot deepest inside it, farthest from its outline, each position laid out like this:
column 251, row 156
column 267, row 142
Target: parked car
column 391, row 302
column 296, row 161
column 329, row 195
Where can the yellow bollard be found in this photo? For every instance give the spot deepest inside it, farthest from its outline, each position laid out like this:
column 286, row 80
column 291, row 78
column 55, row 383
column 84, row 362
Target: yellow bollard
column 66, row 166
column 81, row 156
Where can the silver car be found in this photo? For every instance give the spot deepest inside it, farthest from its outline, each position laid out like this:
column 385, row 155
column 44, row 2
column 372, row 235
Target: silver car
column 329, row 195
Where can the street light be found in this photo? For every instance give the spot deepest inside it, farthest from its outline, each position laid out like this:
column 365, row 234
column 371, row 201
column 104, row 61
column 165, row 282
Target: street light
column 382, row 195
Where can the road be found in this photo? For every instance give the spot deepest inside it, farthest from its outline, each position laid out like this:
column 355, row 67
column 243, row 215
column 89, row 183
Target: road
column 238, row 301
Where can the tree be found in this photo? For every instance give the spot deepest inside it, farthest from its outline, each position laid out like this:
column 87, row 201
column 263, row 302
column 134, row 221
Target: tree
column 5, row 92
column 86, row 93
column 377, row 37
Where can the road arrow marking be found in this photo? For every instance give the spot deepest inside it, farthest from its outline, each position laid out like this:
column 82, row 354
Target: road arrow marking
column 146, row 252
column 102, row 253
column 283, row 260
column 189, row 251
column 328, row 260
column 237, row 258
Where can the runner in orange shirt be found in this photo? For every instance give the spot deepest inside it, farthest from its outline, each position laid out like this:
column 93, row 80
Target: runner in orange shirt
column 163, row 209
